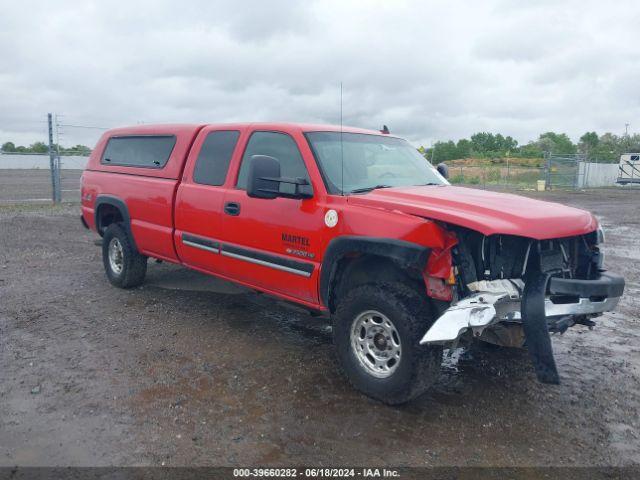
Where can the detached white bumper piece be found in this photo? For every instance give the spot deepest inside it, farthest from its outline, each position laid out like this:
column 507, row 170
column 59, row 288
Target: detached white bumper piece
column 500, row 300
column 477, row 311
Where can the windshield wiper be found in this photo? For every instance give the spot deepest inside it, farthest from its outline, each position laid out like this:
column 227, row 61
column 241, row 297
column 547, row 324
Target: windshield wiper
column 368, row 189
column 427, row 184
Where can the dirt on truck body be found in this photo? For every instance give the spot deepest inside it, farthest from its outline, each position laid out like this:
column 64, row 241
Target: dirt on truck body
column 355, row 225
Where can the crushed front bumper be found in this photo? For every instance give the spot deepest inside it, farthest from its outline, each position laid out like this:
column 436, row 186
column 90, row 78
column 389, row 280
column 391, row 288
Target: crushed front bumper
column 565, row 298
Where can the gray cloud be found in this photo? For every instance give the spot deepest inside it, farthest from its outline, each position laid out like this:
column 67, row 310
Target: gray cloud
column 429, row 70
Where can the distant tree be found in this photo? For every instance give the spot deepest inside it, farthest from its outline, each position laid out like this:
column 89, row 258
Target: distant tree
column 530, row 150
column 608, row 148
column 509, row 143
column 588, row 142
column 634, row 143
column 86, row 151
column 463, row 148
column 8, row 147
column 558, row 143
column 78, row 150
column 41, row 147
column 38, row 147
column 442, row 151
column 482, row 143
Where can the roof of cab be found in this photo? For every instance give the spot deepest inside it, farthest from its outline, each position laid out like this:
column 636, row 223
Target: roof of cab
column 160, row 128
column 148, row 129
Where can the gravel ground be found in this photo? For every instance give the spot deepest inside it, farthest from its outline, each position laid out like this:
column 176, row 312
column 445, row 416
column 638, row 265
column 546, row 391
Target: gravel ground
column 189, row 370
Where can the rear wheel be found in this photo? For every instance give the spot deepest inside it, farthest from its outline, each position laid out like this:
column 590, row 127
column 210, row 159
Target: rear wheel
column 124, row 266
column 377, row 330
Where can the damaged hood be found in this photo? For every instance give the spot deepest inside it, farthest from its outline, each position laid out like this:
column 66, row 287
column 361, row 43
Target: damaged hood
column 483, row 211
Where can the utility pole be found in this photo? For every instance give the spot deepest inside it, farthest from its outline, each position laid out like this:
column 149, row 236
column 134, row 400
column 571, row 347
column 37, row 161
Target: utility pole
column 626, row 137
column 53, row 164
column 52, row 158
column 58, row 163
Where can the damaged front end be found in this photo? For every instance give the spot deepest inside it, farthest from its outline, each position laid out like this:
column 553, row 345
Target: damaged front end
column 513, row 291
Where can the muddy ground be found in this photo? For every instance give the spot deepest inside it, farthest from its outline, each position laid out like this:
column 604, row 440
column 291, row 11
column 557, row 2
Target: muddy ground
column 188, row 370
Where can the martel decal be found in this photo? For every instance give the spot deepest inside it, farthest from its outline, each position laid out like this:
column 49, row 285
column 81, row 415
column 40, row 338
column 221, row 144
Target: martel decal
column 295, row 239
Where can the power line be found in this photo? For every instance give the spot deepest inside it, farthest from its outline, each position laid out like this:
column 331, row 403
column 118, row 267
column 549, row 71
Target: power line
column 83, row 126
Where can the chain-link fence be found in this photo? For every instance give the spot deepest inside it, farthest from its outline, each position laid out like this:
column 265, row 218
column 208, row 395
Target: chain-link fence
column 563, row 171
column 26, row 178
column 557, row 172
column 46, row 171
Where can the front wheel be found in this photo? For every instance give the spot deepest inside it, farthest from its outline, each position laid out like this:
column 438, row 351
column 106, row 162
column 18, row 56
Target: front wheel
column 123, row 264
column 377, row 330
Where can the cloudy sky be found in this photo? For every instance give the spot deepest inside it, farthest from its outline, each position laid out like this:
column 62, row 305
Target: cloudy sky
column 431, row 70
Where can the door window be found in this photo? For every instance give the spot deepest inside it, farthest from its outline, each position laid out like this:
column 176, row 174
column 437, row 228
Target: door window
column 214, row 157
column 277, row 145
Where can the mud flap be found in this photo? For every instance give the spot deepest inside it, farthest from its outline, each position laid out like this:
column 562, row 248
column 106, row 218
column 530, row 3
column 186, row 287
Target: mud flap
column 535, row 327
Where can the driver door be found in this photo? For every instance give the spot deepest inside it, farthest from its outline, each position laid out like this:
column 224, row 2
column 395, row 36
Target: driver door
column 273, row 244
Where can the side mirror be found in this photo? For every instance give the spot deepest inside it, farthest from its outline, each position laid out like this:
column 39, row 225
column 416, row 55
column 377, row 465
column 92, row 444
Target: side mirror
column 263, row 170
column 443, row 169
column 264, row 180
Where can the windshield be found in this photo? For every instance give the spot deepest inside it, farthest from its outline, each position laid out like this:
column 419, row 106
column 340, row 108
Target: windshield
column 357, row 163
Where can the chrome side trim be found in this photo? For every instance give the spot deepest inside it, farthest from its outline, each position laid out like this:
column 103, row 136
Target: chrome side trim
column 201, row 247
column 266, row 264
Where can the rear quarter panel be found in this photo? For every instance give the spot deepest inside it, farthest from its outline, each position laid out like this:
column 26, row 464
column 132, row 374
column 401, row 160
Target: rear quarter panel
column 148, row 193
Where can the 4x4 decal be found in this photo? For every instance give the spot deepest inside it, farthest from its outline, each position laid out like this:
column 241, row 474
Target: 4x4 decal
column 295, row 245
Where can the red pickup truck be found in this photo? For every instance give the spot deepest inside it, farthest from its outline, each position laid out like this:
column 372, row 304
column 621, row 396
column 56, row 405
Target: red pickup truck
column 354, row 224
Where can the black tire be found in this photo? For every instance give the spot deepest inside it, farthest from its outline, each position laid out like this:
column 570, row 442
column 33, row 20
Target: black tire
column 408, row 310
column 133, row 265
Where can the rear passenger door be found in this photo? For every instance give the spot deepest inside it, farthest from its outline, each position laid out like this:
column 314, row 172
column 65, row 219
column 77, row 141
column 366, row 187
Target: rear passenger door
column 198, row 206
column 273, row 243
